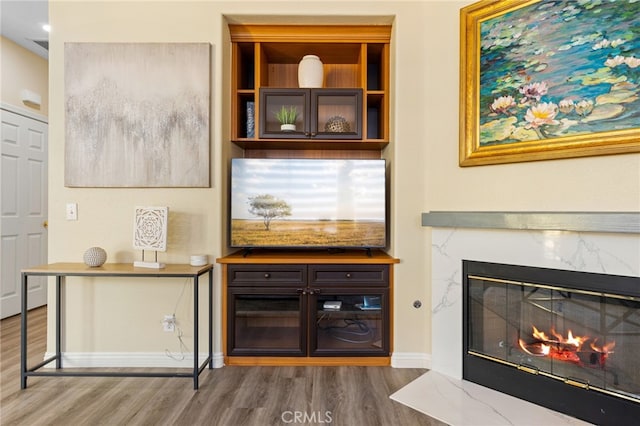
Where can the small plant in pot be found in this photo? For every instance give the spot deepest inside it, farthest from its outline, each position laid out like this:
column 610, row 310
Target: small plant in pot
column 287, row 118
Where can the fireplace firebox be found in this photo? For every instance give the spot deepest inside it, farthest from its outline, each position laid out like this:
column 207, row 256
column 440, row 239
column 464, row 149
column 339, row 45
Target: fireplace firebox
column 566, row 340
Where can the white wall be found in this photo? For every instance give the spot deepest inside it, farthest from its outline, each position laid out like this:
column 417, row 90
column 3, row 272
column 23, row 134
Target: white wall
column 422, row 153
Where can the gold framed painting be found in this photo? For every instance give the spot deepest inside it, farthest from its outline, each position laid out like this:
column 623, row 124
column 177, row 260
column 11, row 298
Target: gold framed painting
column 542, row 80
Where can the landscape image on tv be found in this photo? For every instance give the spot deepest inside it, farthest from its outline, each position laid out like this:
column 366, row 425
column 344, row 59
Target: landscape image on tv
column 308, row 203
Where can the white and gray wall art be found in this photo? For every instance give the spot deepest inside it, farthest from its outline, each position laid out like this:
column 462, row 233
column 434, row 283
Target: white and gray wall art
column 137, row 114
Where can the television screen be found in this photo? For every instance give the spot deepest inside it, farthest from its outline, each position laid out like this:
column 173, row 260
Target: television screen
column 308, row 203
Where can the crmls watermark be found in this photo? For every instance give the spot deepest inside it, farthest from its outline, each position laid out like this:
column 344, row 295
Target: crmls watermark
column 301, row 417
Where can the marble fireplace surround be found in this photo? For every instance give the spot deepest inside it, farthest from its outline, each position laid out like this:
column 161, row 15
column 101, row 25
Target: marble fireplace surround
column 590, row 242
column 598, row 242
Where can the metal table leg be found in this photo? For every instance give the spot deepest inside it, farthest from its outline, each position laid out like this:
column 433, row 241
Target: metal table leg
column 195, row 332
column 58, row 322
column 23, row 335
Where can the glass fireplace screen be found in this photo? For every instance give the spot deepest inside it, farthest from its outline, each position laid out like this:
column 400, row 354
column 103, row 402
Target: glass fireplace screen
column 584, row 338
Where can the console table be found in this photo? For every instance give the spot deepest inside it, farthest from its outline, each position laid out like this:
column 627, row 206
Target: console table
column 63, row 270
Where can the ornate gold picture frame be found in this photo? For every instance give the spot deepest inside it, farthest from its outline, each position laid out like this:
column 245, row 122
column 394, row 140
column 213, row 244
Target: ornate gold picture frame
column 546, row 80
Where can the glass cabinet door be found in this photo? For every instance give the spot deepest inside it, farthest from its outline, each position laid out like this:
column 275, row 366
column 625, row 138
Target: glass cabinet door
column 266, row 322
column 349, row 322
column 284, row 113
column 336, row 114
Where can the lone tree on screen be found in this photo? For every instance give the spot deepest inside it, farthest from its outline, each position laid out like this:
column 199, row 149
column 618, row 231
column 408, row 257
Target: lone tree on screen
column 268, row 207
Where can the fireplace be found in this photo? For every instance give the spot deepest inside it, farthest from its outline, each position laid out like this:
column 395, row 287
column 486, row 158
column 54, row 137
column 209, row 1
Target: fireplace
column 565, row 340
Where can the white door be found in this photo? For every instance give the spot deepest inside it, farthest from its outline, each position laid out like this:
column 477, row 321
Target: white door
column 23, row 208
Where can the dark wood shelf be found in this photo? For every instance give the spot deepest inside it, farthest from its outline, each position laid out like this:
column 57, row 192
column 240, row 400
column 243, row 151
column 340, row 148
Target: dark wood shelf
column 296, row 144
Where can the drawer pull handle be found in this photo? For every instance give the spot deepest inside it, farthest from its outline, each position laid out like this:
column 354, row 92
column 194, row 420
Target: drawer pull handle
column 267, row 275
column 348, row 275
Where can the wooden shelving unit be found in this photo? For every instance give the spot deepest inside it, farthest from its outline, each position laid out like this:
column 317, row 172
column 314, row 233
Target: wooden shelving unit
column 354, row 57
column 356, row 60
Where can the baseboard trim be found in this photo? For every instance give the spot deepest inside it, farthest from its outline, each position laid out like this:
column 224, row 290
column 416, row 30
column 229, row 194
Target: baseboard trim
column 130, row 360
column 274, row 361
column 411, row 360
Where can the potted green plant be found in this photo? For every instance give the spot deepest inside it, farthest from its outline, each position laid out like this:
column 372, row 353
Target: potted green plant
column 287, row 118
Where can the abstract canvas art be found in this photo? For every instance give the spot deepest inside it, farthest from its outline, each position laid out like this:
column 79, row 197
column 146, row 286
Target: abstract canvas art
column 137, row 114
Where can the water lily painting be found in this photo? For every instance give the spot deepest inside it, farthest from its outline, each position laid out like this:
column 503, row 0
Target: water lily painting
column 549, row 79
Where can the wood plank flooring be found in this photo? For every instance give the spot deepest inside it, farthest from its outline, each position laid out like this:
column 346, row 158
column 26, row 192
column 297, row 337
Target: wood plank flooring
column 350, row 396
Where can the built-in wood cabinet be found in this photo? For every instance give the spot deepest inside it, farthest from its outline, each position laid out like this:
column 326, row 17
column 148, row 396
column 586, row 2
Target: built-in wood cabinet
column 277, row 304
column 266, row 57
column 312, row 308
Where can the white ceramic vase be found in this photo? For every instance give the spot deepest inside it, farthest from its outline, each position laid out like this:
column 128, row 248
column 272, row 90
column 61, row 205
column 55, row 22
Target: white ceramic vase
column 310, row 72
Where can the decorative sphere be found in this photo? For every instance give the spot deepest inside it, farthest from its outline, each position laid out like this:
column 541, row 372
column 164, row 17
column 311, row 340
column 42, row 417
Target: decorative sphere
column 95, row 256
column 337, row 124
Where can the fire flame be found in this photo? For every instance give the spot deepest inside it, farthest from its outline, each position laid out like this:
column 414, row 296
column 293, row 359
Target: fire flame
column 576, row 341
column 571, row 348
column 539, row 334
column 606, row 348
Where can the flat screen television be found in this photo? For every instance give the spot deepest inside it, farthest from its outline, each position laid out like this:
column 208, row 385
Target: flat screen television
column 308, row 203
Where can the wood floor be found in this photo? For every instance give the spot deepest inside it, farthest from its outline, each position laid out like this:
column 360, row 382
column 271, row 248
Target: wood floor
column 350, row 396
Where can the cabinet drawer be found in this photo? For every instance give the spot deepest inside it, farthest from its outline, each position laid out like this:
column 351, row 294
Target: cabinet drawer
column 267, row 275
column 348, row 275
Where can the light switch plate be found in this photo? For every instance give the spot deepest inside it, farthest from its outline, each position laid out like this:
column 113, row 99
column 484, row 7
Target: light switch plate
column 72, row 211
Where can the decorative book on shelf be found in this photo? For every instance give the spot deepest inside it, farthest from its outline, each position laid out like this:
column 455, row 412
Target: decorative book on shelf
column 251, row 120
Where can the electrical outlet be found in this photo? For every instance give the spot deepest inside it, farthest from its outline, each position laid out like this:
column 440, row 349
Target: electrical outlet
column 169, row 323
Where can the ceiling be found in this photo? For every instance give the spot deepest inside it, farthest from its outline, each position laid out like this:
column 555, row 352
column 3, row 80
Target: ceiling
column 22, row 20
